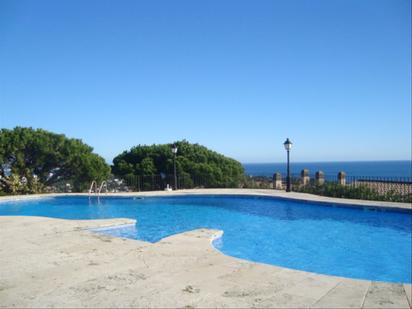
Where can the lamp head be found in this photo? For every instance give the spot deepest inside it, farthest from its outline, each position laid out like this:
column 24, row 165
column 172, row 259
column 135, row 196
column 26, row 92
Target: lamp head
column 288, row 144
column 174, row 148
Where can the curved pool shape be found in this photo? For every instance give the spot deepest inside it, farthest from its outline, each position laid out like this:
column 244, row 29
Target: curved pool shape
column 342, row 241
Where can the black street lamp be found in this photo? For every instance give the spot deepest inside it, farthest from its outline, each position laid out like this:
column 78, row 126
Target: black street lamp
column 174, row 150
column 288, row 147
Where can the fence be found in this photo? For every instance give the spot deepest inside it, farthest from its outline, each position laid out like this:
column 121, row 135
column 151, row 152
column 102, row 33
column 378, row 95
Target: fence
column 137, row 183
column 357, row 187
column 397, row 189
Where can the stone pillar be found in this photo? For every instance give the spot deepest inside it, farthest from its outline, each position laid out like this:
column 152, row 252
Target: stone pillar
column 277, row 181
column 304, row 176
column 342, row 178
column 319, row 178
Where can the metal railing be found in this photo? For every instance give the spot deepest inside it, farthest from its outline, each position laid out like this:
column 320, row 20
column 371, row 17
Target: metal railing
column 398, row 189
column 357, row 187
column 137, row 183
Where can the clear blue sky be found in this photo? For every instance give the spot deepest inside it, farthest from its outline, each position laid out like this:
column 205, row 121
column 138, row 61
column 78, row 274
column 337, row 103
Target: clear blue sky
column 236, row 76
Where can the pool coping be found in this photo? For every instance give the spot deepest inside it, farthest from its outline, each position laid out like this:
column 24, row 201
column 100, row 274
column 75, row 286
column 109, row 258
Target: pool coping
column 296, row 196
column 259, row 193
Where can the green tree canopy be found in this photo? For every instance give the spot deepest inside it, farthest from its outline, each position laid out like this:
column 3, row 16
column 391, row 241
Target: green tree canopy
column 192, row 160
column 33, row 159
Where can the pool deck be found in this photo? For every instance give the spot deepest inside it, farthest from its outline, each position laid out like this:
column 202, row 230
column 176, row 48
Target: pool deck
column 47, row 262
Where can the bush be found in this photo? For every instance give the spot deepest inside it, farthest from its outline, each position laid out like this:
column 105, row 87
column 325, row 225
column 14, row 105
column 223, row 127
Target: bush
column 33, row 160
column 193, row 161
column 352, row 192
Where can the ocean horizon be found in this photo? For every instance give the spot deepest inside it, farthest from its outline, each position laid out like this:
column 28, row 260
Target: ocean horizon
column 397, row 169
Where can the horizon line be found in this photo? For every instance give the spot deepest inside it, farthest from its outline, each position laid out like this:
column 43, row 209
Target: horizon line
column 331, row 161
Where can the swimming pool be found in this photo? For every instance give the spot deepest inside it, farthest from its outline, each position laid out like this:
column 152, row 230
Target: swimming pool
column 342, row 241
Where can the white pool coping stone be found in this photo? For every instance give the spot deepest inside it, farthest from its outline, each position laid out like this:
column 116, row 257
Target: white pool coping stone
column 256, row 192
column 47, row 262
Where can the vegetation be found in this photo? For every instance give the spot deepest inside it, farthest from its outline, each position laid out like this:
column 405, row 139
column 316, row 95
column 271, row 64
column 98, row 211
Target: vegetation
column 333, row 189
column 258, row 182
column 33, row 161
column 195, row 164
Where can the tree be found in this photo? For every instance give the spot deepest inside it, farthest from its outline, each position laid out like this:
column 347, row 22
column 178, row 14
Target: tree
column 31, row 160
column 204, row 166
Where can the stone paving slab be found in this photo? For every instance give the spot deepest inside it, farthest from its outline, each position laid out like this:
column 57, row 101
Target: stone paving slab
column 408, row 291
column 346, row 294
column 386, row 295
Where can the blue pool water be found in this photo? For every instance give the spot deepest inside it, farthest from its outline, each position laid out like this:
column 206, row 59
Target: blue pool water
column 342, row 241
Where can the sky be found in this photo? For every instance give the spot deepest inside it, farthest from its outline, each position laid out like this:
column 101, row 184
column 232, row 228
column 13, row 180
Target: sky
column 236, row 76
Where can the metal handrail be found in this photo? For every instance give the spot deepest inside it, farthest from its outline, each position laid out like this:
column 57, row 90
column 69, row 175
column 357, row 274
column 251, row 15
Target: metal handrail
column 93, row 184
column 104, row 183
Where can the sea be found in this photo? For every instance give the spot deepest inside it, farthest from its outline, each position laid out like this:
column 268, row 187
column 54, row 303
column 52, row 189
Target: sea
column 389, row 169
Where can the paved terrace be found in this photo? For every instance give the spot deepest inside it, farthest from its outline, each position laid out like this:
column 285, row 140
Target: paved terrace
column 48, row 262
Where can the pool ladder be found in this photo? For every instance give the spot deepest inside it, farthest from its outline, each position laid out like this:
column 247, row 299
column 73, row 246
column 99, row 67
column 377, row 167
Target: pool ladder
column 97, row 190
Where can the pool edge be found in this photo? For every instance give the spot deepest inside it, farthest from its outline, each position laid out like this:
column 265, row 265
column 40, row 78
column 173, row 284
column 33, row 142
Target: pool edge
column 302, row 197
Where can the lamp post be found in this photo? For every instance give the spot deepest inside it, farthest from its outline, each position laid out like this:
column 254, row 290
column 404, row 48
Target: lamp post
column 288, row 147
column 174, row 150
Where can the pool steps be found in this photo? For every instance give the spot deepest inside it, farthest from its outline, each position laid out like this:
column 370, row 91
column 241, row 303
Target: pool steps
column 95, row 189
